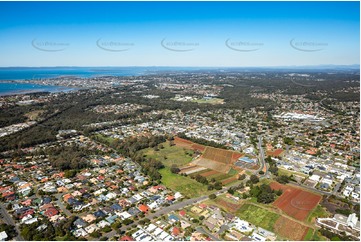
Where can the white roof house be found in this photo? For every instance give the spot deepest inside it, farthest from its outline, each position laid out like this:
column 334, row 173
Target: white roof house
column 3, row 236
column 352, row 220
column 315, row 178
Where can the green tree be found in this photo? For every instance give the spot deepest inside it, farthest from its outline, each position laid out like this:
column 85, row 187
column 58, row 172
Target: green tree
column 254, row 179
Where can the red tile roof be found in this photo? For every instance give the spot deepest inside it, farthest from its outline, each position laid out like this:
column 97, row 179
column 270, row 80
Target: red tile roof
column 175, row 231
column 126, row 238
column 182, row 213
column 143, row 208
column 50, row 212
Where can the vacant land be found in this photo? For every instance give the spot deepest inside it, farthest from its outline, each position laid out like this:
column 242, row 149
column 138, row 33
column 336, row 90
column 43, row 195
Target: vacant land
column 290, row 229
column 188, row 144
column 219, row 155
column 210, row 101
column 274, row 222
column 225, row 203
column 288, row 172
column 209, row 173
column 295, row 202
column 170, row 155
column 213, row 165
column 228, row 206
column 229, row 180
column 185, row 185
column 258, row 216
column 34, row 115
column 318, row 212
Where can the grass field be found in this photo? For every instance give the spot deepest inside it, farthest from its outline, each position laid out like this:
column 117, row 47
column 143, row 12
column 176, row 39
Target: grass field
column 258, row 216
column 319, row 212
column 209, row 101
column 104, row 139
column 170, row 155
column 232, row 172
column 309, row 234
column 219, row 176
column 313, row 235
column 33, row 115
column 185, row 185
column 288, row 173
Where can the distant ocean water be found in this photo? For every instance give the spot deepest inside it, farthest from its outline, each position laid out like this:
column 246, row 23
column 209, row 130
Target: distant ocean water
column 22, row 88
column 21, row 73
column 27, row 73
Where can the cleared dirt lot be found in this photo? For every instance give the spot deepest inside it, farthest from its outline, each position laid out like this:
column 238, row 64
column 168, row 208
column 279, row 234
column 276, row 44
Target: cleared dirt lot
column 295, row 202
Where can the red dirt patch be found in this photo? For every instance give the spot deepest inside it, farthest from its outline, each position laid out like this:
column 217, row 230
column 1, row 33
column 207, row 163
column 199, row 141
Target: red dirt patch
column 229, row 180
column 188, row 144
column 198, row 147
column 295, row 202
column 231, row 207
column 236, row 156
column 290, row 229
column 209, row 173
column 183, row 142
column 180, row 140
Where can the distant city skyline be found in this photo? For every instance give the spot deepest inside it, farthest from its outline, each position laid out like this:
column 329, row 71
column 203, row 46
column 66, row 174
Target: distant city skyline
column 192, row 34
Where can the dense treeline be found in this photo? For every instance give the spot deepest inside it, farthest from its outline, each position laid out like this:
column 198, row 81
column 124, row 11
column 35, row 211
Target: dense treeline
column 238, row 97
column 131, row 145
column 61, row 229
column 68, row 157
column 264, row 193
column 9, row 229
column 335, row 237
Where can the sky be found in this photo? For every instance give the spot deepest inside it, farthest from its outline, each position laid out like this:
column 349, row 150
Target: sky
column 213, row 34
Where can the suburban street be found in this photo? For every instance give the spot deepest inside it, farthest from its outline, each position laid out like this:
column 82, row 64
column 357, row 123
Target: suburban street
column 166, row 210
column 9, row 220
column 204, row 231
column 61, row 205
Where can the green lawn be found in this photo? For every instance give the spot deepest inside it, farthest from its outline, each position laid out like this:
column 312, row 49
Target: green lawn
column 185, row 185
column 219, row 176
column 200, row 172
column 232, row 172
column 170, row 155
column 104, row 139
column 318, row 212
column 258, row 216
column 309, row 235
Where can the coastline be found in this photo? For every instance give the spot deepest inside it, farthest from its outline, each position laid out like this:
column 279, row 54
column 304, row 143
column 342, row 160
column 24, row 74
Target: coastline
column 48, row 89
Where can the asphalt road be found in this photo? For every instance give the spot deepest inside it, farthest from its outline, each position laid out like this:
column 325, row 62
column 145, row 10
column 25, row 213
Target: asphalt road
column 9, row 220
column 261, row 159
column 204, row 231
column 61, row 205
